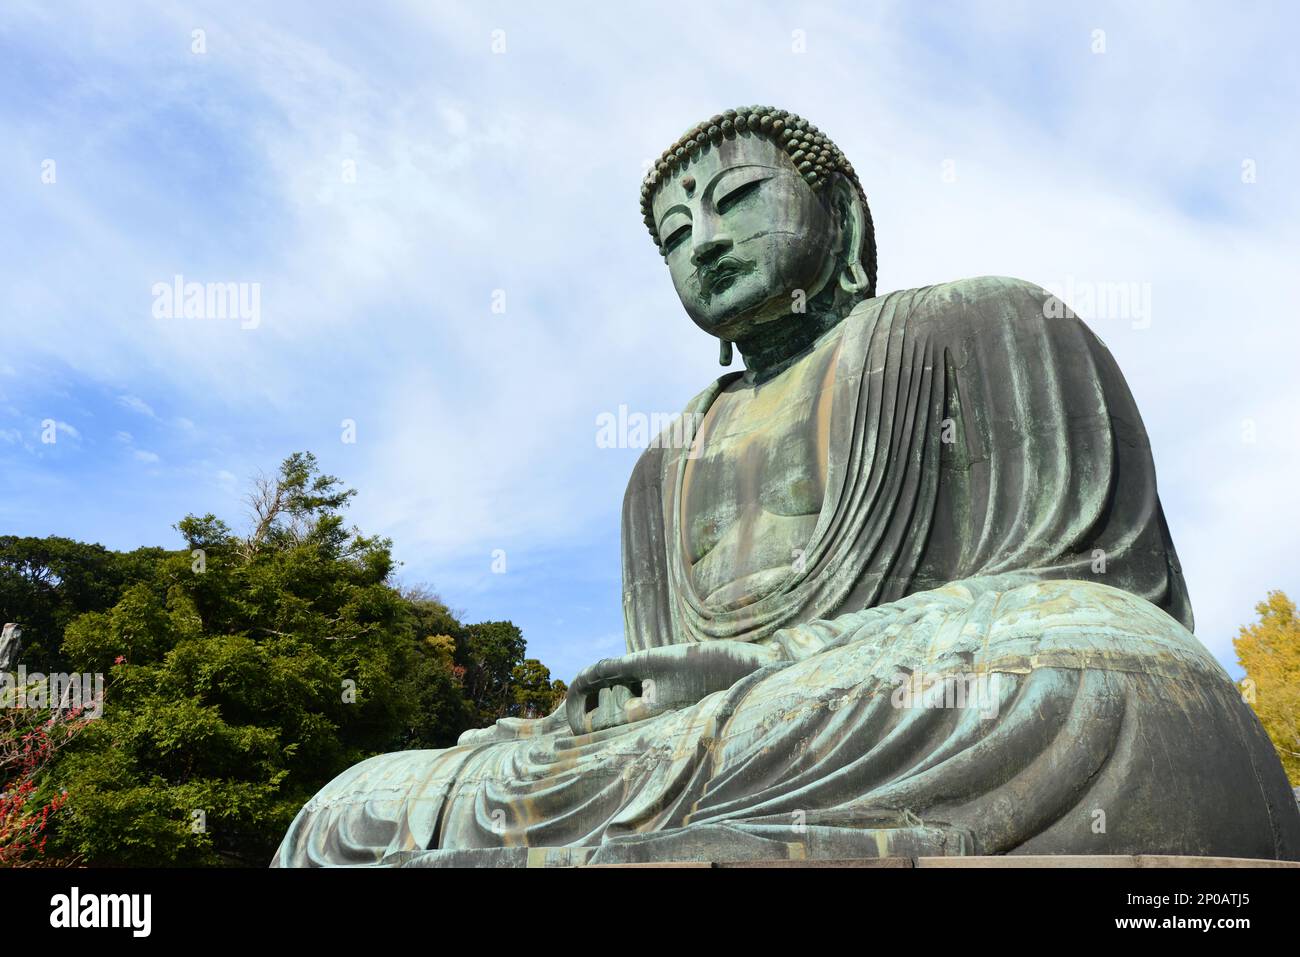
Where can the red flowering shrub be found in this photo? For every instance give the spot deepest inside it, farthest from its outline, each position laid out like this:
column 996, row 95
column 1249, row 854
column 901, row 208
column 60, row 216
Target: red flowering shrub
column 29, row 739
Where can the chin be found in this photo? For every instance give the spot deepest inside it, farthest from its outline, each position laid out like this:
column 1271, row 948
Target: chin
column 728, row 325
column 729, row 315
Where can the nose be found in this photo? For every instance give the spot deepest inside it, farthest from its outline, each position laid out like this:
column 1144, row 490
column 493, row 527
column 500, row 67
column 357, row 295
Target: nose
column 708, row 242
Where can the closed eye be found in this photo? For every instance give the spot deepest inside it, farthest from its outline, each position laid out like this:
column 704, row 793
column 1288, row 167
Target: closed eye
column 737, row 194
column 676, row 236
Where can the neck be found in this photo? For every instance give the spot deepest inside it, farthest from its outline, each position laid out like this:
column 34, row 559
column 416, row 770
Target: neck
column 770, row 348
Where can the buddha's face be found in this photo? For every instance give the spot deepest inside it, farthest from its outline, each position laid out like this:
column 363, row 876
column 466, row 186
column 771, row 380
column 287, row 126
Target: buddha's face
column 743, row 233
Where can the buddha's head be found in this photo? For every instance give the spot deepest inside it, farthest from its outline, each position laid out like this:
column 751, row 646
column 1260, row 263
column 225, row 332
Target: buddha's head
column 761, row 220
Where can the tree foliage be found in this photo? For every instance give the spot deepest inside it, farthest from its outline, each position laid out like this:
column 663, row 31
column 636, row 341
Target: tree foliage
column 1269, row 651
column 244, row 672
column 47, row 582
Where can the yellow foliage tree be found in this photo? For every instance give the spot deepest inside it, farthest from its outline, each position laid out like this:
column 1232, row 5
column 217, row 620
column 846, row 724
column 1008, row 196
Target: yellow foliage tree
column 444, row 648
column 1269, row 650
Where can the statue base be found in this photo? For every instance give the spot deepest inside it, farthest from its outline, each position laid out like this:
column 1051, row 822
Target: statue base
column 525, row 857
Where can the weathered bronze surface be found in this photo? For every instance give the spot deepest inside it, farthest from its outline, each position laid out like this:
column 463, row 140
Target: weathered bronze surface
column 906, row 592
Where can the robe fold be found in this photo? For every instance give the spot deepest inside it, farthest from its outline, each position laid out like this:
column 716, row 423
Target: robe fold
column 985, row 647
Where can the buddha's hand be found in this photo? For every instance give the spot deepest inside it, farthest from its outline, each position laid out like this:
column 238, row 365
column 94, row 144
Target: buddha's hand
column 618, row 691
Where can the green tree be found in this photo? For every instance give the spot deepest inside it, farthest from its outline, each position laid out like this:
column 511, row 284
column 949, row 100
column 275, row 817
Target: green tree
column 492, row 650
column 246, row 670
column 535, row 694
column 47, row 582
column 439, row 708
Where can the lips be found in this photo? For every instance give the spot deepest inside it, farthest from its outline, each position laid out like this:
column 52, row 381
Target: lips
column 721, row 274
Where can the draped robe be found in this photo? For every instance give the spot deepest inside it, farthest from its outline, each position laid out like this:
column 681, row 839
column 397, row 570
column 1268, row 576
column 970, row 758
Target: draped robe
column 985, row 647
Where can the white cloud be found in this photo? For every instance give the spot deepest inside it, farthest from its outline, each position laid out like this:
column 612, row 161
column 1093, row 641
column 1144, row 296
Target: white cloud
column 136, row 404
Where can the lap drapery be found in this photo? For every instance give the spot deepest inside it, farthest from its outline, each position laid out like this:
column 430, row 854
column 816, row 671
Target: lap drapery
column 988, row 716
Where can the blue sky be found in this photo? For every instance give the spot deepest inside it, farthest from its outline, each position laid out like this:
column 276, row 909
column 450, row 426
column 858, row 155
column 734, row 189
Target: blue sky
column 991, row 138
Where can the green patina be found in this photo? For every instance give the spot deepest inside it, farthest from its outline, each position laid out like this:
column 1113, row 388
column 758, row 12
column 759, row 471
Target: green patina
column 948, row 488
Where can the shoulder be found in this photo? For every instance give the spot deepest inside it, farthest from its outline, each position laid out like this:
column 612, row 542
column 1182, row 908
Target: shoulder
column 979, row 298
column 981, row 289
column 983, row 306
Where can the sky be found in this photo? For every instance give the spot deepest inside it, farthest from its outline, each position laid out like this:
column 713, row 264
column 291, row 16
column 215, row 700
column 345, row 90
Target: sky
column 436, row 207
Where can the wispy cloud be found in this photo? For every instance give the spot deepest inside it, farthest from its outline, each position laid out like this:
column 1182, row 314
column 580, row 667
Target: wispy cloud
column 136, row 404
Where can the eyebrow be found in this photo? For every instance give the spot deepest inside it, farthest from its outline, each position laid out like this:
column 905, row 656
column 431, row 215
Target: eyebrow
column 678, row 208
column 713, row 183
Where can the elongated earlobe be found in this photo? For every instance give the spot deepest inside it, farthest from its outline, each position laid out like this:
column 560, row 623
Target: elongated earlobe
column 854, row 278
column 724, row 352
column 853, row 222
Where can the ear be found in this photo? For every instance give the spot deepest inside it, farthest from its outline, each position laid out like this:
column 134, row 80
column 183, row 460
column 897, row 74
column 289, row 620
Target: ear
column 846, row 205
